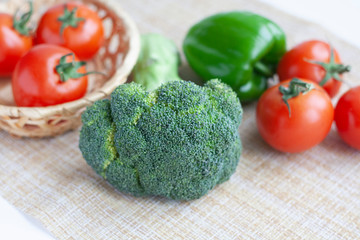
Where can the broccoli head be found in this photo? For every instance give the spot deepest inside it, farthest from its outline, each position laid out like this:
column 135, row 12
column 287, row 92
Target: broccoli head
column 178, row 141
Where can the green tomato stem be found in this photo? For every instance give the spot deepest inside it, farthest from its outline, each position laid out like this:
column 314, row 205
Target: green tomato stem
column 332, row 69
column 296, row 86
column 69, row 19
column 20, row 24
column 69, row 70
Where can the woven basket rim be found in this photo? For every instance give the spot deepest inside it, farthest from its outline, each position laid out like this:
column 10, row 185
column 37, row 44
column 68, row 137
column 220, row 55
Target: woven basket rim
column 121, row 73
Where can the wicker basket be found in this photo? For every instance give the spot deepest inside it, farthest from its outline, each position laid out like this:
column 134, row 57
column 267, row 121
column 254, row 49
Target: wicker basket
column 116, row 58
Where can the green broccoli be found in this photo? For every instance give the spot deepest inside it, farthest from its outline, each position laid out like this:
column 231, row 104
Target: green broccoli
column 178, row 141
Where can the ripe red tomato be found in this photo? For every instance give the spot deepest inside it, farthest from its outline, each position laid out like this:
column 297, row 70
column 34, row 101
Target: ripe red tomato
column 306, row 125
column 15, row 41
column 72, row 25
column 347, row 117
column 38, row 79
column 316, row 61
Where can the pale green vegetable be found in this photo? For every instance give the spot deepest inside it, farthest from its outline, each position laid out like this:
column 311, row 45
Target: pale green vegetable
column 158, row 62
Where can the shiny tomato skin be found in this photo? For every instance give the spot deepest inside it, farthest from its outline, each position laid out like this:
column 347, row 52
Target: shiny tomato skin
column 35, row 82
column 347, row 117
column 84, row 40
column 311, row 118
column 13, row 45
column 294, row 64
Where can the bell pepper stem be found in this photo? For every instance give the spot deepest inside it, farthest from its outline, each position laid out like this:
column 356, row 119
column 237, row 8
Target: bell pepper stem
column 263, row 69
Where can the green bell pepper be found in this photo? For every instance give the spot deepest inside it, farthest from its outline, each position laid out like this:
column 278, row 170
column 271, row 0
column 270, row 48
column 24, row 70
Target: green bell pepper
column 241, row 48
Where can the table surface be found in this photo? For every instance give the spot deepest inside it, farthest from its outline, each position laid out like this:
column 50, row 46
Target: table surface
column 340, row 19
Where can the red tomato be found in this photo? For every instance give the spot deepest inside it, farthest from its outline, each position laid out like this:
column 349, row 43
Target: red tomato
column 347, row 117
column 312, row 60
column 13, row 44
column 37, row 82
column 72, row 25
column 310, row 121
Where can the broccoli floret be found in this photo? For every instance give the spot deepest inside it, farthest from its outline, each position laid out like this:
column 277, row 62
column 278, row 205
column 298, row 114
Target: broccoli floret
column 178, row 141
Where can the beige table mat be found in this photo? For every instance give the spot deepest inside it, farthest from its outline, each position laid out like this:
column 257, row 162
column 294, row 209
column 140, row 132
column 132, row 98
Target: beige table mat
column 314, row 195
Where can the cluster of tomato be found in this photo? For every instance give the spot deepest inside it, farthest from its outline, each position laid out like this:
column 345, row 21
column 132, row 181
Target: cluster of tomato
column 310, row 75
column 47, row 66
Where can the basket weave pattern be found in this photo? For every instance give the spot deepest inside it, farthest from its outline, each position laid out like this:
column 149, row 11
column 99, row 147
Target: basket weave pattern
column 116, row 59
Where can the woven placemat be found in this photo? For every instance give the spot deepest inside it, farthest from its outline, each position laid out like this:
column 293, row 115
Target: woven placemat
column 313, row 195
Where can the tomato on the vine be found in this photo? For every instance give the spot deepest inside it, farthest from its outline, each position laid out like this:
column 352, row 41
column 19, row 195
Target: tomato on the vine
column 48, row 75
column 294, row 115
column 72, row 25
column 347, row 117
column 15, row 41
column 314, row 60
